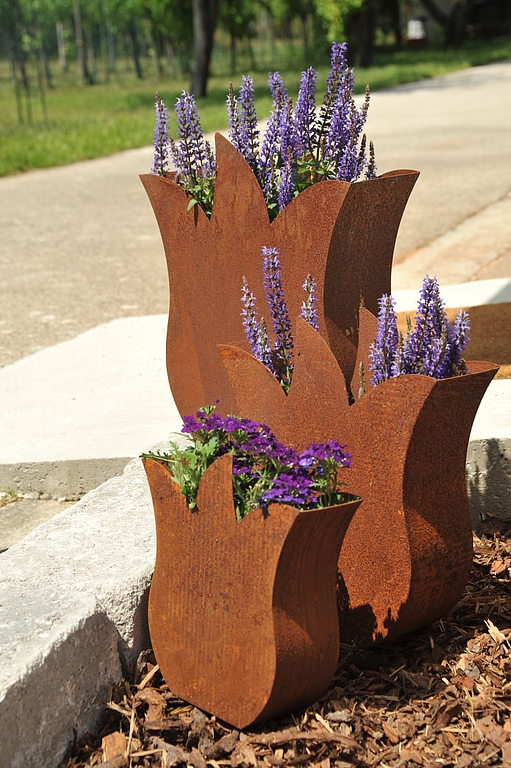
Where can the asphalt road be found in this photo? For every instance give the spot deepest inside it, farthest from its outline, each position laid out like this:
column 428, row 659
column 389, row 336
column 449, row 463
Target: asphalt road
column 79, row 245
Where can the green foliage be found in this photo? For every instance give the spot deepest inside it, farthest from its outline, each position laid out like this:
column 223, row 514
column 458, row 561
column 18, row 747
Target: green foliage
column 335, row 13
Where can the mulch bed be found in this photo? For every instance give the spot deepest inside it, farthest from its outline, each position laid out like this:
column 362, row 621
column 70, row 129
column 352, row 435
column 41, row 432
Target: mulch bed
column 441, row 696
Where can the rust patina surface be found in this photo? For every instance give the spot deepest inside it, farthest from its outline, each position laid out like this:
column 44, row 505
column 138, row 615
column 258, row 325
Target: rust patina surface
column 243, row 617
column 342, row 233
column 407, row 555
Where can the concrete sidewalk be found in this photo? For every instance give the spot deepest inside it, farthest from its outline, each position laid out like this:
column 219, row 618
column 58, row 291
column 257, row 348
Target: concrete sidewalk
column 80, row 246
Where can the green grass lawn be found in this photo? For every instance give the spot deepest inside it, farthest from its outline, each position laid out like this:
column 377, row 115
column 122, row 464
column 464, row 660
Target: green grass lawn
column 92, row 121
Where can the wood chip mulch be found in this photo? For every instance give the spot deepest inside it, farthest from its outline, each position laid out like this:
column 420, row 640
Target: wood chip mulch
column 438, row 697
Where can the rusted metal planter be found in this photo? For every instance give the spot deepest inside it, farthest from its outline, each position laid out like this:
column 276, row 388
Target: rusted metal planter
column 243, row 617
column 407, row 555
column 342, row 233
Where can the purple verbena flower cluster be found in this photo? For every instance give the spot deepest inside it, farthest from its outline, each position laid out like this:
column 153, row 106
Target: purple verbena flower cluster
column 300, row 146
column 279, row 357
column 265, row 471
column 433, row 347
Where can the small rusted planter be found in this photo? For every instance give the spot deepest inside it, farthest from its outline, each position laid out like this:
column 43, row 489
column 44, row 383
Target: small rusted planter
column 243, row 617
column 342, row 233
column 407, row 555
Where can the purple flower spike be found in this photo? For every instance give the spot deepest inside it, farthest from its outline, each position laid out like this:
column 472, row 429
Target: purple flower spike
column 383, row 350
column 271, row 142
column 249, row 315
column 459, row 338
column 287, row 185
column 279, row 314
column 264, row 351
column 196, row 160
column 161, row 139
column 233, row 117
column 249, row 132
column 337, row 66
column 309, row 310
column 255, row 330
column 305, row 121
column 433, row 347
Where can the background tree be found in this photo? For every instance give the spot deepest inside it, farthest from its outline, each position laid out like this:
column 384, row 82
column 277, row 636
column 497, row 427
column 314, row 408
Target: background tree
column 204, row 23
column 237, row 18
column 454, row 21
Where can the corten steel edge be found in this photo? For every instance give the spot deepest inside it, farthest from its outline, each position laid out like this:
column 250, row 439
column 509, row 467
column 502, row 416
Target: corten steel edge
column 342, row 233
column 243, row 617
column 407, row 554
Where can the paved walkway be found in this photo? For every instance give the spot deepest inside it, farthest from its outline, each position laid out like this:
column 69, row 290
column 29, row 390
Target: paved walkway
column 80, row 246
column 84, row 285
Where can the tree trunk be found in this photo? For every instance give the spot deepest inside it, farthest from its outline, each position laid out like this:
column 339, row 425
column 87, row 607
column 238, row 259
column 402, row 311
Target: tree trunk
column 454, row 22
column 204, row 22
column 82, row 72
column 135, row 52
column 362, row 30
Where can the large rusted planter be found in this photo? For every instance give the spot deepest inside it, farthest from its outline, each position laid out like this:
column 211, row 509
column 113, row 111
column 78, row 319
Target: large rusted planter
column 407, row 555
column 342, row 233
column 243, row 617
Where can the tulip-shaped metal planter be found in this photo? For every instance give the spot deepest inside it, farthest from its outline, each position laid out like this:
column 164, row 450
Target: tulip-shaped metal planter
column 340, row 232
column 407, row 555
column 243, row 616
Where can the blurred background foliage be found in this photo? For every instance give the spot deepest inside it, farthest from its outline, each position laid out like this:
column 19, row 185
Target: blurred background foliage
column 77, row 77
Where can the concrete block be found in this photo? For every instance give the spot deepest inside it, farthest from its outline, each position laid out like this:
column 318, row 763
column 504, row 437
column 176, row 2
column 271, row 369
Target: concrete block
column 489, row 454
column 102, row 547
column 489, row 478
column 58, row 656
column 71, row 478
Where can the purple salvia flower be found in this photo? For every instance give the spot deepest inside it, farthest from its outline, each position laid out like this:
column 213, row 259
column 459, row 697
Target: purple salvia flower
column 338, row 64
column 305, row 120
column 334, row 81
column 161, row 139
column 233, row 117
column 383, row 350
column 287, row 181
column 430, row 324
column 309, row 310
column 459, row 337
column 255, row 330
column 371, row 170
column 264, row 352
column 270, row 147
column 279, row 314
column 338, row 134
column 249, row 132
column 249, row 315
column 193, row 155
column 288, row 147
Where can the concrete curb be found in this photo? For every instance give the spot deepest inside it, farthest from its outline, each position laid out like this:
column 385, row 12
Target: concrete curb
column 73, row 611
column 73, row 598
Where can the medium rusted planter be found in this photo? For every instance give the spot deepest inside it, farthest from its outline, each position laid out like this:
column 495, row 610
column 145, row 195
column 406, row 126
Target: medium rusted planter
column 243, row 617
column 342, row 233
column 407, row 555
